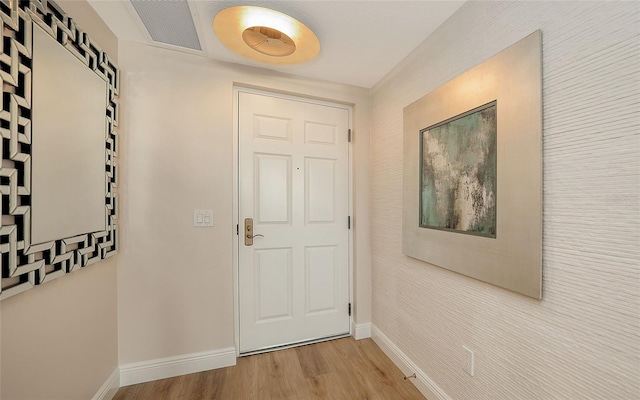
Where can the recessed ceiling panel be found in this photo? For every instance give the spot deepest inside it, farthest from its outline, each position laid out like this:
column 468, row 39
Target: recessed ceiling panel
column 168, row 22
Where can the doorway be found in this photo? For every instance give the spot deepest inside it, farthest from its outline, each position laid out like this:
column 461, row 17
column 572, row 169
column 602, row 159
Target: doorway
column 293, row 180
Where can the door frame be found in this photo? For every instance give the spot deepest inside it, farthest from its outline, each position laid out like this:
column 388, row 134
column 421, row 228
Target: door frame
column 237, row 88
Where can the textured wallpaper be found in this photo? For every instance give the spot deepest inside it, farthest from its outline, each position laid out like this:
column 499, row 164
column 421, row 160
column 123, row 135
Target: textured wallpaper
column 582, row 341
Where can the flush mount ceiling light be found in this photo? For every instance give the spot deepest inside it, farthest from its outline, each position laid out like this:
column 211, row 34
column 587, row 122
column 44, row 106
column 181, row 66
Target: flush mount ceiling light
column 265, row 35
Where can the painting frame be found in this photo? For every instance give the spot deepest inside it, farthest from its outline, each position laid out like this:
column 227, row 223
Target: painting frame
column 513, row 259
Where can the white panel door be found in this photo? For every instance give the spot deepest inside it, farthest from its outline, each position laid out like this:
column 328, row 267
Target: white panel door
column 294, row 183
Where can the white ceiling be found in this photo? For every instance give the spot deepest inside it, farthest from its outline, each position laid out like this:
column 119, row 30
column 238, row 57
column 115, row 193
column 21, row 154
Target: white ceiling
column 361, row 41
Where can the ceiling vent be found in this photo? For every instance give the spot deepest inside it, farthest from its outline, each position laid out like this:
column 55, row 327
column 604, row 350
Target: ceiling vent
column 168, row 22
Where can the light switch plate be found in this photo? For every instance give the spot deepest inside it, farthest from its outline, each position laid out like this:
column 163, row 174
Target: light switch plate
column 202, row 218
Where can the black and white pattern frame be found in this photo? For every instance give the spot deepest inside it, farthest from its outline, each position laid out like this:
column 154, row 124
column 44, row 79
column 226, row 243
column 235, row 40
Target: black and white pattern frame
column 24, row 262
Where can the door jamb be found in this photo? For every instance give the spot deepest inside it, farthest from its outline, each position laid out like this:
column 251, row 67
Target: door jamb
column 237, row 88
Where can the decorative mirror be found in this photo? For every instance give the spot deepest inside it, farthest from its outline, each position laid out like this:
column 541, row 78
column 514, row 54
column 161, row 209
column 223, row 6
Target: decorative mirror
column 58, row 120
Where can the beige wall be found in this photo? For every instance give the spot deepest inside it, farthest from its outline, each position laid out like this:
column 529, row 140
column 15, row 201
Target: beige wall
column 175, row 281
column 582, row 340
column 59, row 341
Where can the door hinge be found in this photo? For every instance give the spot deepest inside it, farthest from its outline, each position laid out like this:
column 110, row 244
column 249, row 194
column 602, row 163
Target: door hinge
column 237, row 229
column 349, row 309
column 349, row 222
column 349, row 135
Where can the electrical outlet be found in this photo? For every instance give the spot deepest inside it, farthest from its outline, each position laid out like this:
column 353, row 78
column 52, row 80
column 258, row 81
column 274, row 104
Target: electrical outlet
column 468, row 360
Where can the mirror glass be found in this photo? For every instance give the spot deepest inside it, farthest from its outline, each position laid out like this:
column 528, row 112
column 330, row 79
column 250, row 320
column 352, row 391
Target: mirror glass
column 68, row 144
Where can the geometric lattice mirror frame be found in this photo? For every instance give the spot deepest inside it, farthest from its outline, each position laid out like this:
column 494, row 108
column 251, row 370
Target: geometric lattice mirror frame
column 25, row 264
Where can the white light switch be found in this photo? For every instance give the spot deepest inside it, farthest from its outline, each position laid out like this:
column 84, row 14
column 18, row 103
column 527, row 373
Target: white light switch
column 202, row 218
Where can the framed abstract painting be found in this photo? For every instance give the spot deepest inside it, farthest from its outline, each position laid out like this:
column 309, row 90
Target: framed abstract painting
column 472, row 181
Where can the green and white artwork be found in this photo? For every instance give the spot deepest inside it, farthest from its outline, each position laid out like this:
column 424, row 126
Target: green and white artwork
column 458, row 173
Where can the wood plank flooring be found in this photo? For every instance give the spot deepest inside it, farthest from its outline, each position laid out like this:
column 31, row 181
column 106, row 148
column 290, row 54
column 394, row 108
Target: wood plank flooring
column 341, row 369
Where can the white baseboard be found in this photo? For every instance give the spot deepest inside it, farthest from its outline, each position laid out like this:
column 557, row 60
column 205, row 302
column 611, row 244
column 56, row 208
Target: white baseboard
column 361, row 331
column 425, row 385
column 110, row 387
column 161, row 368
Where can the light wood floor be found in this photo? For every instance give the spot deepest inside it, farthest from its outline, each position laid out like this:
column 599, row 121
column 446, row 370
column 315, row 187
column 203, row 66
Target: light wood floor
column 338, row 369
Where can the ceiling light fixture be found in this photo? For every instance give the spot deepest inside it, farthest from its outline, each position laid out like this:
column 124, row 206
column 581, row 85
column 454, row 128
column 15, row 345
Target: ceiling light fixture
column 265, row 35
